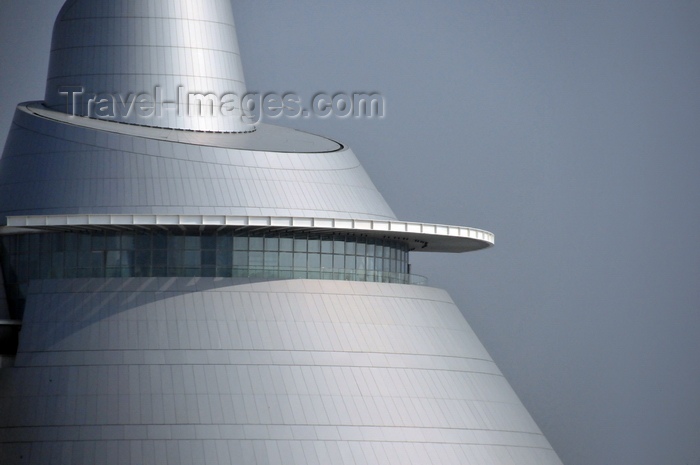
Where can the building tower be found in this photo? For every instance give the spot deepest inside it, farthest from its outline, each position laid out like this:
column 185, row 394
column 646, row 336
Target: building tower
column 195, row 289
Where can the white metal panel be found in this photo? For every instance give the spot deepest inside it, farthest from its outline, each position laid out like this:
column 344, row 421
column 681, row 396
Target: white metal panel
column 285, row 394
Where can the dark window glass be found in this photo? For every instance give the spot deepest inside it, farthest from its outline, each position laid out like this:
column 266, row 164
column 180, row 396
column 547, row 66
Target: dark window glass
column 224, row 257
column 113, row 258
column 142, row 241
column 208, row 258
column 176, row 243
column 35, row 241
column 98, row 242
column 160, row 241
column 224, row 243
column 193, row 243
column 193, row 258
column 71, row 241
column 208, row 242
column 128, row 242
column 111, row 241
column 71, row 259
column 160, row 258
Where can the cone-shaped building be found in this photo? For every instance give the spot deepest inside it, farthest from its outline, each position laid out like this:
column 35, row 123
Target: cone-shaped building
column 195, row 289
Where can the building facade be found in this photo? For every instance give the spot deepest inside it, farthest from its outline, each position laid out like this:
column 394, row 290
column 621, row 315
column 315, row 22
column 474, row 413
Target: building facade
column 186, row 287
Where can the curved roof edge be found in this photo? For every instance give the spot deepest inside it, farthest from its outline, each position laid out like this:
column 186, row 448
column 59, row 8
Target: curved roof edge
column 421, row 237
column 265, row 137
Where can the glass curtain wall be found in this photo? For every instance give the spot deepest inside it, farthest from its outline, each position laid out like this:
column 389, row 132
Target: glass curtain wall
column 106, row 254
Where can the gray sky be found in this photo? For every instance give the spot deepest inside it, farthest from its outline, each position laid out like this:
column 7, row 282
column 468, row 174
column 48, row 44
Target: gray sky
column 569, row 129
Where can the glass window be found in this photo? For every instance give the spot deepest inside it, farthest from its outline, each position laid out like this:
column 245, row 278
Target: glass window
column 111, row 241
column 299, row 260
column 240, row 258
column 224, row 257
column 256, row 243
column 208, row 242
column 300, row 245
column 240, row 243
column 128, row 242
column 285, row 260
column 350, row 262
column 208, row 272
column 193, row 243
column 71, row 259
column 271, row 259
column 97, row 259
column 255, row 259
column 286, row 244
column 176, row 243
column 57, row 265
column 175, row 258
column 142, row 258
column 327, row 245
column 224, row 242
column 209, row 258
column 44, row 245
column 142, row 241
column 272, row 243
column 314, row 261
column 160, row 258
column 350, row 248
column 35, row 242
column 222, row 254
column 113, row 258
column 160, row 240
column 326, row 261
column 98, row 242
column 192, row 258
column 314, row 245
column 71, row 241
column 85, row 260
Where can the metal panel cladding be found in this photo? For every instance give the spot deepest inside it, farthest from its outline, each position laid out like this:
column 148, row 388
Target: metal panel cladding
column 160, row 50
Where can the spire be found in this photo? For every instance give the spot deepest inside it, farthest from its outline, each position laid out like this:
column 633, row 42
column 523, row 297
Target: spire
column 153, row 63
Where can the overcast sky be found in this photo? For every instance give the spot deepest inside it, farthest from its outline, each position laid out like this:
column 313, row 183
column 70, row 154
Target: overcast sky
column 569, row 129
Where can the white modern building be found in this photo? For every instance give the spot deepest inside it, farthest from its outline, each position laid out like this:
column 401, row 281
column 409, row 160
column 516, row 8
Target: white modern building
column 182, row 288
